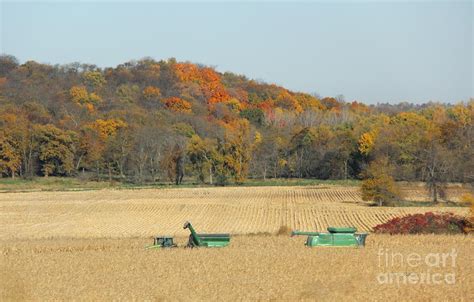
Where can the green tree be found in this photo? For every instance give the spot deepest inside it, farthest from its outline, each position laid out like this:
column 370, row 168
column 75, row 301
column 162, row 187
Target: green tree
column 256, row 116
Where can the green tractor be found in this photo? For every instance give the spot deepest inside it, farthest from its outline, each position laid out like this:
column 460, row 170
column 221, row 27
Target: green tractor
column 162, row 242
column 345, row 236
column 205, row 240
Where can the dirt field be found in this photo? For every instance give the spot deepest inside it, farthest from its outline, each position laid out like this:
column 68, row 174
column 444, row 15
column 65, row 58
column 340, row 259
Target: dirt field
column 90, row 246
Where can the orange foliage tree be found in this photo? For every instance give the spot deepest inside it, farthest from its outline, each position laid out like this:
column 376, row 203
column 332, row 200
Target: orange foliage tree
column 151, row 92
column 208, row 80
column 177, row 104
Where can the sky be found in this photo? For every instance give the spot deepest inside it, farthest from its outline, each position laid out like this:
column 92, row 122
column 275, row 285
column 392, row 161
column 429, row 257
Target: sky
column 372, row 51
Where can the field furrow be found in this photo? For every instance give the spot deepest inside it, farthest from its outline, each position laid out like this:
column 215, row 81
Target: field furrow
column 141, row 213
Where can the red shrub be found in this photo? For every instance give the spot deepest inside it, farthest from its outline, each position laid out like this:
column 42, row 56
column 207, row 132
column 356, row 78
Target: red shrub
column 427, row 223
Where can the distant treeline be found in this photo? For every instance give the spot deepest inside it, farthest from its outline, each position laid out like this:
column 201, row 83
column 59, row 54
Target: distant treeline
column 148, row 120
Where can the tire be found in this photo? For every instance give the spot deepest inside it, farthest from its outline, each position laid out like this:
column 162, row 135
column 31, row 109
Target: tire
column 190, row 242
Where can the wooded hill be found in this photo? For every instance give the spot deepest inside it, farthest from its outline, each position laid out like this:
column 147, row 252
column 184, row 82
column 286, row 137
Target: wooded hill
column 148, row 120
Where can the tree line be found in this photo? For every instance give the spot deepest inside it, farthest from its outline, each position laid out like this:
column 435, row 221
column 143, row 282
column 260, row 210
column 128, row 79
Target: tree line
column 147, row 121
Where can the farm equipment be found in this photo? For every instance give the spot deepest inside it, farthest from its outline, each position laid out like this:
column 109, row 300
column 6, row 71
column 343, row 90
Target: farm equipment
column 206, row 240
column 345, row 236
column 161, row 242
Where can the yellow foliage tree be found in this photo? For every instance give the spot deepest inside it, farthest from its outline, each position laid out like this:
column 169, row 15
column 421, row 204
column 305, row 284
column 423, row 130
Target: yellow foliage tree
column 10, row 156
column 82, row 98
column 13, row 137
column 257, row 138
column 79, row 94
column 308, row 102
column 108, row 128
column 367, row 142
column 379, row 185
column 287, row 101
column 469, row 199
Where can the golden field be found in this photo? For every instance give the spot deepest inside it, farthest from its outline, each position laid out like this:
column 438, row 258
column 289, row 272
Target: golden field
column 90, row 246
column 251, row 268
column 146, row 212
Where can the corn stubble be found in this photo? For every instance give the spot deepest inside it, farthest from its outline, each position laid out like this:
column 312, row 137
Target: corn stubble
column 90, row 246
column 140, row 213
column 252, row 267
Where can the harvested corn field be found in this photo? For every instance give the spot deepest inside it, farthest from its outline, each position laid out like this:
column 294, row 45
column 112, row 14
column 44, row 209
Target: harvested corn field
column 90, row 246
column 252, row 268
column 237, row 210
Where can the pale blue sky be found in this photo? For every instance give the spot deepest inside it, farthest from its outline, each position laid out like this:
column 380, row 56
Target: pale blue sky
column 367, row 51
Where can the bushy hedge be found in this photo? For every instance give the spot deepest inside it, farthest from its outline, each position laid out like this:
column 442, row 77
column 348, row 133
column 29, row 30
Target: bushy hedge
column 427, row 223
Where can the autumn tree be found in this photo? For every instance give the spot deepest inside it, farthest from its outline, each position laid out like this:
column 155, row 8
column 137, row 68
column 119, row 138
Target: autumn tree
column 208, row 81
column 10, row 159
column 82, row 98
column 267, row 157
column 287, row 101
column 345, row 147
column 93, row 79
column 113, row 135
column 10, row 155
column 7, row 64
column 173, row 163
column 307, row 101
column 177, row 104
column 90, row 150
column 254, row 115
column 301, row 146
column 151, row 93
column 13, row 141
column 367, row 142
column 378, row 184
column 148, row 146
column 101, row 146
column 201, row 154
column 233, row 154
column 127, row 94
column 55, row 149
column 128, row 119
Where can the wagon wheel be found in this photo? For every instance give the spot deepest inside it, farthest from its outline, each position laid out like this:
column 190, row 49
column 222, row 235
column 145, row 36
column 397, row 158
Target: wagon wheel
column 190, row 242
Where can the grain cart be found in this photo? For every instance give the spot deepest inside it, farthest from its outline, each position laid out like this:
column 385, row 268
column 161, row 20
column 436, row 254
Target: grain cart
column 206, row 240
column 345, row 236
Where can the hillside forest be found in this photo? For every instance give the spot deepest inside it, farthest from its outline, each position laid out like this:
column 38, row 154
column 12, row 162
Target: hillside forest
column 147, row 121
